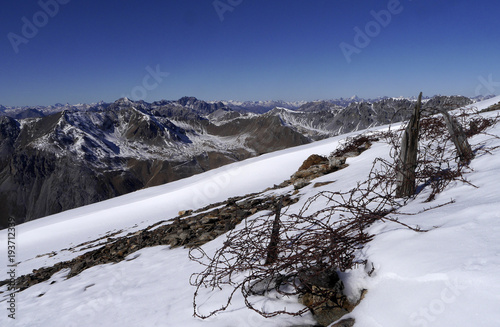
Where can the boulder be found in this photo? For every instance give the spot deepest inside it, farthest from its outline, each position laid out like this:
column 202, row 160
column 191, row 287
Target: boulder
column 313, row 159
column 324, row 296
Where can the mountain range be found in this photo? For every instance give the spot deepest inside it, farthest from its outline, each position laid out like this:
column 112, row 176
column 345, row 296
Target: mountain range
column 60, row 157
column 241, row 106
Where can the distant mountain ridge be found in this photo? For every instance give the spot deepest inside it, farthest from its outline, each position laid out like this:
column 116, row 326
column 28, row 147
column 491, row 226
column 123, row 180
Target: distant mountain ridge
column 240, row 106
column 262, row 106
column 60, row 157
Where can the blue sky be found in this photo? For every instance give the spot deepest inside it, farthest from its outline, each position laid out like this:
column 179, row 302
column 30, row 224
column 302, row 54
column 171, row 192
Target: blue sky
column 87, row 51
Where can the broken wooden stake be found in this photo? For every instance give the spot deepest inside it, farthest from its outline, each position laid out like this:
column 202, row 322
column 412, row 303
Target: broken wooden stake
column 405, row 179
column 272, row 248
column 459, row 138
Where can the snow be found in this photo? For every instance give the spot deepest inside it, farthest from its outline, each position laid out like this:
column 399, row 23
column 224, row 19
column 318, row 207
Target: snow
column 448, row 276
column 84, row 129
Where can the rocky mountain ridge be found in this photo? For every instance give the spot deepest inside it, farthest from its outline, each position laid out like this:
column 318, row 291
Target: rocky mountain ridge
column 259, row 107
column 57, row 161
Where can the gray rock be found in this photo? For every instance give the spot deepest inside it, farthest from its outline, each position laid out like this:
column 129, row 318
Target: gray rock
column 345, row 323
column 300, row 183
column 336, row 162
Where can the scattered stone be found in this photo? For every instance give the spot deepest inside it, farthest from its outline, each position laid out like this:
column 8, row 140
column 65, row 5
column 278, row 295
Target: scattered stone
column 189, row 231
column 209, row 219
column 313, row 159
column 325, row 297
column 311, row 173
column 183, row 213
column 319, row 184
column 493, row 107
column 284, row 184
column 133, row 257
column 345, row 323
column 205, row 237
column 337, row 162
column 88, row 286
column 183, row 236
column 300, row 183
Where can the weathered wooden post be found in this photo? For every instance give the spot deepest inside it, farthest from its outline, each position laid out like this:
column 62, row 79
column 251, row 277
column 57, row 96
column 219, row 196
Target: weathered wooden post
column 458, row 137
column 272, row 248
column 405, row 179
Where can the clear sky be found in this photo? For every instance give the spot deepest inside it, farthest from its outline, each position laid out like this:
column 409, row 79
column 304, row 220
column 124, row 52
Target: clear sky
column 86, row 50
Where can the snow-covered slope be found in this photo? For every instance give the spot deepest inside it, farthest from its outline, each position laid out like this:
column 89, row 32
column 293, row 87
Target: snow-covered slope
column 448, row 276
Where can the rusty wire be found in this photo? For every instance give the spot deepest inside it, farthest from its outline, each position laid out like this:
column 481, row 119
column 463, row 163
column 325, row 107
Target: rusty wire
column 312, row 245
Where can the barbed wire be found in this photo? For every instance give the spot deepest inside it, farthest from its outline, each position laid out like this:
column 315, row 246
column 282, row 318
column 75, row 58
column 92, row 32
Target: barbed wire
column 329, row 230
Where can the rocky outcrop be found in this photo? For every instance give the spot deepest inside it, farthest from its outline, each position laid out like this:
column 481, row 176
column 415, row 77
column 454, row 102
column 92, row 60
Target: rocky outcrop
column 493, row 107
column 315, row 165
column 9, row 131
column 312, row 160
